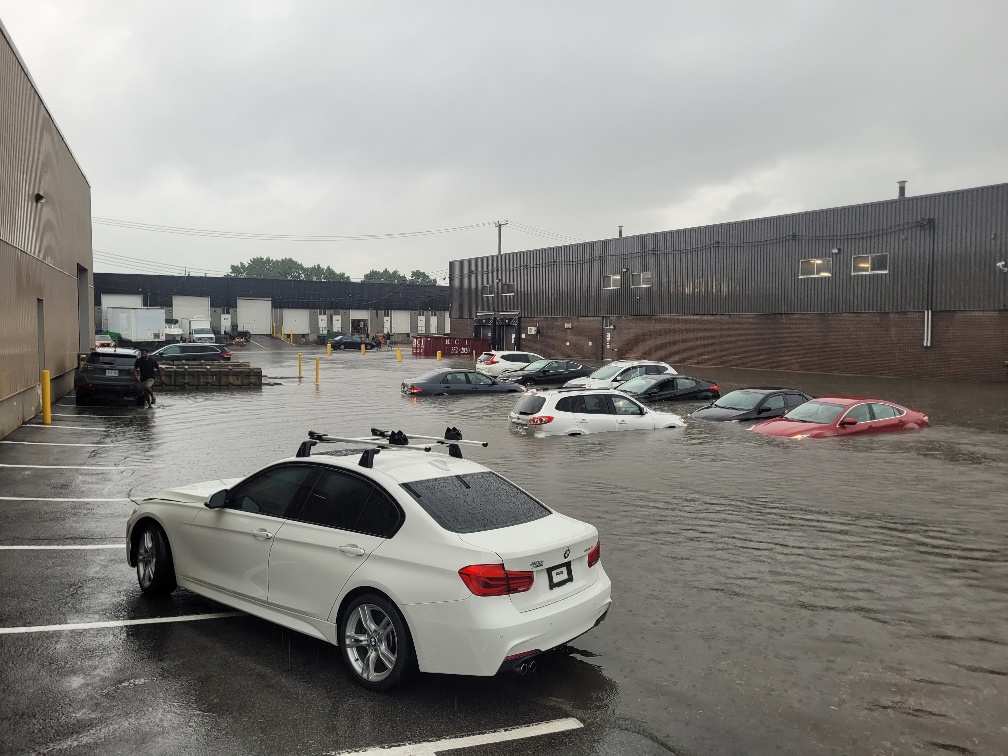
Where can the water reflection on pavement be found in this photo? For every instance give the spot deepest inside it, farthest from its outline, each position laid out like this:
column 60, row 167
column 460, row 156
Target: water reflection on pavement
column 808, row 596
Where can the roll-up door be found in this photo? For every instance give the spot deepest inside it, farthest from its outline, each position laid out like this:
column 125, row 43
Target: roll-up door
column 255, row 316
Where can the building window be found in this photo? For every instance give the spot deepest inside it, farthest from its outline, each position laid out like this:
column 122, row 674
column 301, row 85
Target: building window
column 639, row 280
column 863, row 264
column 611, row 281
column 608, row 321
column 816, row 268
column 507, row 289
column 488, row 290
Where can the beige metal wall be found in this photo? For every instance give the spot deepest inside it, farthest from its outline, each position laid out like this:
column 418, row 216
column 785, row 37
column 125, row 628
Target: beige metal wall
column 42, row 245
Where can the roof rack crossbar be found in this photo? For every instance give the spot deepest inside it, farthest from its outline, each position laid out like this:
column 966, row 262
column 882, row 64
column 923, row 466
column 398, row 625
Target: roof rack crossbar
column 383, row 439
column 436, row 439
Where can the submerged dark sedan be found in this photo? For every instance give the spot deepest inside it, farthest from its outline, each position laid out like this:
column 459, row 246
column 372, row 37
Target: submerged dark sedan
column 753, row 404
column 661, row 388
column 455, row 381
column 545, row 372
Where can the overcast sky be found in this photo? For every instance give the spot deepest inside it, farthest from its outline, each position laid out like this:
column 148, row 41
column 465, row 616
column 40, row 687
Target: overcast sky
column 567, row 119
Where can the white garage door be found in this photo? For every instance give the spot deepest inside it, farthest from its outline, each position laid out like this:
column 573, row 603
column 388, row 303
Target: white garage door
column 295, row 321
column 190, row 307
column 255, row 316
column 400, row 321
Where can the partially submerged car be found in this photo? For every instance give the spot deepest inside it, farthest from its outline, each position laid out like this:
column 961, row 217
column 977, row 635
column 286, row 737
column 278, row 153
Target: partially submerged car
column 827, row 417
column 396, row 555
column 620, row 371
column 546, row 372
column 577, row 412
column 664, row 388
column 752, row 404
column 455, row 382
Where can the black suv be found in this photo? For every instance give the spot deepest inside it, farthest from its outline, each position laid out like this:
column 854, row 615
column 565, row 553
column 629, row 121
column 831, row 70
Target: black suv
column 191, row 351
column 108, row 373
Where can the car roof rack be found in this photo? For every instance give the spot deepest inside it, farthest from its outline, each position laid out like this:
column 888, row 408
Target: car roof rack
column 384, row 439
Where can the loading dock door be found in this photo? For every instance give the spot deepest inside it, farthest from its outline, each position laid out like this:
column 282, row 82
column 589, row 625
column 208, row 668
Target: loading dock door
column 255, row 316
column 295, row 321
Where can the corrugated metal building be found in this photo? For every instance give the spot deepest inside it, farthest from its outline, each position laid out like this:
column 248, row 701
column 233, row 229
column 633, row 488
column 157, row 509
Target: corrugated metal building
column 45, row 248
column 906, row 287
column 403, row 309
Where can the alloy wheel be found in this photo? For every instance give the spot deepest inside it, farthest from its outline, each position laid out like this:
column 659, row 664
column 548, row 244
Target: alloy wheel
column 146, row 559
column 370, row 642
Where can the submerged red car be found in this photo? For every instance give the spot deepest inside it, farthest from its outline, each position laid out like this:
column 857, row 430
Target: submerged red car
column 843, row 416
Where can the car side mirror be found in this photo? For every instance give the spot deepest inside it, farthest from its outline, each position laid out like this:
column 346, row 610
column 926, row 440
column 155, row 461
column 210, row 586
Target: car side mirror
column 848, row 421
column 217, row 501
column 762, row 410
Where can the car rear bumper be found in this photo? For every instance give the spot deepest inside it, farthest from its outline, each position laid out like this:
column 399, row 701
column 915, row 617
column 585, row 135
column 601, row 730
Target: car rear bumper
column 476, row 636
column 99, row 388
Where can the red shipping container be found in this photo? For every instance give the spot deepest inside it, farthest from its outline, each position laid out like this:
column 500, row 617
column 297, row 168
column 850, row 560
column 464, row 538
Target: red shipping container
column 429, row 346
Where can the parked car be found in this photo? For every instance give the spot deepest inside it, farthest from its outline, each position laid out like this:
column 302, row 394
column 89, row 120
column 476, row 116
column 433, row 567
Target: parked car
column 108, row 374
column 843, row 416
column 397, row 559
column 456, row 382
column 545, row 372
column 103, row 340
column 192, row 351
column 352, row 341
column 660, row 388
column 495, row 363
column 752, row 404
column 620, row 371
column 574, row 412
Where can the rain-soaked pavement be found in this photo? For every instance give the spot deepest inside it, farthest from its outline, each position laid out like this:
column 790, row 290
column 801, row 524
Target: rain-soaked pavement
column 770, row 596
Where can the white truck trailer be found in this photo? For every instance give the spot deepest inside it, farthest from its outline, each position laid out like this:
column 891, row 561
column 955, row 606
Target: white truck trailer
column 139, row 326
column 197, row 329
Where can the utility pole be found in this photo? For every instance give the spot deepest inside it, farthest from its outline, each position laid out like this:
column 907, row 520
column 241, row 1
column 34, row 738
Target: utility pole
column 500, row 225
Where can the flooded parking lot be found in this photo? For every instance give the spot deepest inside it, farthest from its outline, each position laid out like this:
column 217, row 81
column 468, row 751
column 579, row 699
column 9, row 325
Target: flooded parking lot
column 770, row 595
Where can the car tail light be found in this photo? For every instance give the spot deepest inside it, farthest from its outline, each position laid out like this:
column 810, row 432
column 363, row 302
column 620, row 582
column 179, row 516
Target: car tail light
column 540, row 419
column 595, row 554
column 85, row 368
column 715, row 388
column 414, row 389
column 226, row 355
column 494, row 580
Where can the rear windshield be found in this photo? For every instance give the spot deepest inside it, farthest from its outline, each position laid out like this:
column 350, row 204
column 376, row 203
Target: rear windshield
column 112, row 360
column 475, row 502
column 529, row 404
column 485, row 357
column 606, row 372
column 740, row 400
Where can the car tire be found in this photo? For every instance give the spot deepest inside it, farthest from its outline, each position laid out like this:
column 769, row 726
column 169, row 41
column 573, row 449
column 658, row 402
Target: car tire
column 155, row 568
column 376, row 646
column 342, row 347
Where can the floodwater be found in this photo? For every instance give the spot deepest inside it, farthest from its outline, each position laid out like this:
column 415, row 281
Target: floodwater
column 770, row 595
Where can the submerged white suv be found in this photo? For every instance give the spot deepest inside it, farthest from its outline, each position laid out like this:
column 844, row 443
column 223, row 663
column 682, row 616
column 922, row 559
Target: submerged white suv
column 619, row 371
column 575, row 412
column 496, row 363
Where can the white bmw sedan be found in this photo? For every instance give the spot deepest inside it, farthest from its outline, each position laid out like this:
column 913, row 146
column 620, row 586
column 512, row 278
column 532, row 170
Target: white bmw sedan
column 401, row 558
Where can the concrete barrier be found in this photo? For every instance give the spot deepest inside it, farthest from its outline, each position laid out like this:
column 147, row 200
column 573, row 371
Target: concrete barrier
column 186, row 375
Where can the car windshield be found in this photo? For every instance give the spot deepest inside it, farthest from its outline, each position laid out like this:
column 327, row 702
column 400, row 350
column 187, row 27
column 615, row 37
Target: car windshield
column 475, row 502
column 742, row 400
column 637, row 385
column 606, row 372
column 202, row 331
column 815, row 412
column 537, row 365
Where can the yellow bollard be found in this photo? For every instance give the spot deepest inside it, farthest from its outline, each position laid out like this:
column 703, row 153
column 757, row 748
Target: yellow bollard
column 328, row 348
column 46, row 399
column 316, row 370
column 398, row 354
column 299, row 365
column 274, row 330
column 439, row 354
column 363, row 350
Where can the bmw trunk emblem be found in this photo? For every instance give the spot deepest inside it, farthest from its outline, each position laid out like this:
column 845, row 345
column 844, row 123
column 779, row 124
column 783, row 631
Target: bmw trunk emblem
column 566, row 553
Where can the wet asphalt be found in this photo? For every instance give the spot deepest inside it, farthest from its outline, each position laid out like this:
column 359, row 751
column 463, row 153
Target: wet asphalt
column 770, row 596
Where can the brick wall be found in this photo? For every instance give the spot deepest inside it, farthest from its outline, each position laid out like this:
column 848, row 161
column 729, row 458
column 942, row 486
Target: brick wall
column 964, row 345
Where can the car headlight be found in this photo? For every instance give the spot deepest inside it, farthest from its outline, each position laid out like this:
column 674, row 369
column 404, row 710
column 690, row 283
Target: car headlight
column 800, row 436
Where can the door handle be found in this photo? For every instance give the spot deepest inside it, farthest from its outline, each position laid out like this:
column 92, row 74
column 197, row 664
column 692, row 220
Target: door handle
column 262, row 534
column 351, row 549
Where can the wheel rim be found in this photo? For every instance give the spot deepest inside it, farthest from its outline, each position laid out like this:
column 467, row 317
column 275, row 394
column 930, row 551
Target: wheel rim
column 146, row 560
column 369, row 640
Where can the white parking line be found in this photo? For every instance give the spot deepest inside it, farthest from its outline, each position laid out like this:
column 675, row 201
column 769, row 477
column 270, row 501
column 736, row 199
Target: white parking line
column 432, row 747
column 67, row 467
column 65, row 548
column 40, row 498
column 51, row 443
column 114, row 623
column 62, row 427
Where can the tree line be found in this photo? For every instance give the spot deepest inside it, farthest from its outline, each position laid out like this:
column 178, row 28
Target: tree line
column 290, row 269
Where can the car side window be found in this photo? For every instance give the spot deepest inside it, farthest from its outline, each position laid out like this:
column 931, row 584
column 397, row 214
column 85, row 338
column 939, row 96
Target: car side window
column 171, row 351
column 653, row 370
column 774, row 402
column 455, row 379
column 859, row 412
column 478, row 379
column 625, row 406
column 793, row 400
column 595, row 404
column 685, row 383
column 577, row 404
column 272, row 492
column 564, row 404
column 884, row 411
column 345, row 502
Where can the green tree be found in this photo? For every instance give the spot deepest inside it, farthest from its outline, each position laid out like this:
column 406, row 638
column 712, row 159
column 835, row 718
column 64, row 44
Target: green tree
column 384, row 276
column 419, row 277
column 287, row 268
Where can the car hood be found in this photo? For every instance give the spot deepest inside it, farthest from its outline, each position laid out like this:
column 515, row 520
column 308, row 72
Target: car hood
column 195, row 493
column 783, row 427
column 719, row 413
column 591, row 383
